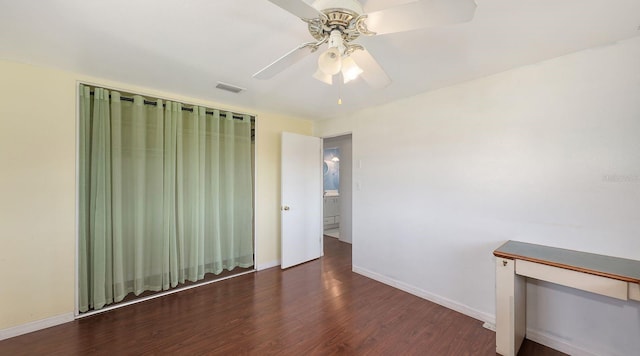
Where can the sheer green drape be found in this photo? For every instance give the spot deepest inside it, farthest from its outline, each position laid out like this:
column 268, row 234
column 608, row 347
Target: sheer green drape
column 165, row 195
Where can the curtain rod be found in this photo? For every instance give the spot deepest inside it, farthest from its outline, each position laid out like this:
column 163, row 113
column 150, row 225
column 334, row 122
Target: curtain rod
column 153, row 103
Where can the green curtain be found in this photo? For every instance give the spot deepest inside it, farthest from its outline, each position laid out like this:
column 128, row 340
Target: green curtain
column 165, row 195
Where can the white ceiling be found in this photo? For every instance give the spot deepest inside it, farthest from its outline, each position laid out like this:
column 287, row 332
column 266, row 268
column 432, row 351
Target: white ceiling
column 186, row 46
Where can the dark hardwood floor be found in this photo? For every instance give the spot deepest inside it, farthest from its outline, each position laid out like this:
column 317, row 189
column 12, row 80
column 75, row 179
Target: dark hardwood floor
column 317, row 308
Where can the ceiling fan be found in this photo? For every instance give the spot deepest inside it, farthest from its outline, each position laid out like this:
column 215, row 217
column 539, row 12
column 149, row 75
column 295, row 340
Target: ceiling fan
column 338, row 23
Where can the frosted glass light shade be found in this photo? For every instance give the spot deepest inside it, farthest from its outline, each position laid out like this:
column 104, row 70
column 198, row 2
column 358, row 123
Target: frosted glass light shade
column 323, row 77
column 330, row 62
column 350, row 70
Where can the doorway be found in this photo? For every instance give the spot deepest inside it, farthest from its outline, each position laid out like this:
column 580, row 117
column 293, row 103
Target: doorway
column 337, row 191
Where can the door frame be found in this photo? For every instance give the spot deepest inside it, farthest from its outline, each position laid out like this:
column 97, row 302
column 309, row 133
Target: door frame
column 352, row 185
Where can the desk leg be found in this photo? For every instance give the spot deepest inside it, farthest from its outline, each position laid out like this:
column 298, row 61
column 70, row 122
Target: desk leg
column 510, row 308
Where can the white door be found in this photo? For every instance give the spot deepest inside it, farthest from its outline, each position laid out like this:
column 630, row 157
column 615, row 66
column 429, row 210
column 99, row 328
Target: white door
column 301, row 199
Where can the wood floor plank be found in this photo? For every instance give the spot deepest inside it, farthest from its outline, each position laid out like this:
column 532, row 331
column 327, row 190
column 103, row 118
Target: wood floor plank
column 318, row 308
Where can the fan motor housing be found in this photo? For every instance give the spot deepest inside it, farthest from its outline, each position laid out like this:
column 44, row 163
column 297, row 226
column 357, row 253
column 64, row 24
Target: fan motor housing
column 341, row 15
column 349, row 5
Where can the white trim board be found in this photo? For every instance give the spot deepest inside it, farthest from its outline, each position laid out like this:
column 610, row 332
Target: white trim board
column 556, row 343
column 538, row 336
column 158, row 295
column 36, row 325
column 533, row 335
column 267, row 265
column 445, row 302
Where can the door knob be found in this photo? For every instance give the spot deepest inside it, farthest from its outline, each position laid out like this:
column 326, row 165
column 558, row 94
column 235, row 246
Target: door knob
column 286, row 208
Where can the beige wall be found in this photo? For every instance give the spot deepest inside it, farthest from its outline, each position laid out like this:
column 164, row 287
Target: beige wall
column 38, row 189
column 268, row 186
column 37, row 194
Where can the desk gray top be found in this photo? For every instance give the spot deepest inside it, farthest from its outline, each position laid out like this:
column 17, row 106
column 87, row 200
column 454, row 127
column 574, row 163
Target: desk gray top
column 607, row 266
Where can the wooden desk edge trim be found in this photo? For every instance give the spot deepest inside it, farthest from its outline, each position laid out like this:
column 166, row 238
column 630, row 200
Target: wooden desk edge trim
column 560, row 265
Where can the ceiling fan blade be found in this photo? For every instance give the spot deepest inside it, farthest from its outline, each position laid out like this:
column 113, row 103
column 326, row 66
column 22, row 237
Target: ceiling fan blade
column 375, row 5
column 284, row 62
column 421, row 14
column 298, row 8
column 372, row 72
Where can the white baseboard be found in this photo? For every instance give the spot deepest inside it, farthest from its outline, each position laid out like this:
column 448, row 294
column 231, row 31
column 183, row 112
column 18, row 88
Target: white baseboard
column 445, row 302
column 267, row 265
column 534, row 335
column 540, row 337
column 556, row 343
column 35, row 326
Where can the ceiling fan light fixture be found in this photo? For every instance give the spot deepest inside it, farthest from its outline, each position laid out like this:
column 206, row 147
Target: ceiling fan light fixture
column 338, row 23
column 323, row 77
column 330, row 62
column 350, row 70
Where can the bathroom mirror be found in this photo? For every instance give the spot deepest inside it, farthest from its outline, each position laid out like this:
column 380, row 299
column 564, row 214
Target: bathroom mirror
column 331, row 171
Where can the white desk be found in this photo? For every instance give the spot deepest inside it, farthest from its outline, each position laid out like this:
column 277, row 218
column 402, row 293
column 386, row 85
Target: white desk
column 515, row 261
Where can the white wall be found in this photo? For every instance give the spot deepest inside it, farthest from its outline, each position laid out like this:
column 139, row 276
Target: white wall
column 343, row 143
column 449, row 175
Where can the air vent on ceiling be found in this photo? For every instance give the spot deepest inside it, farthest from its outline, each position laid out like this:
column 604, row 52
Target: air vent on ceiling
column 229, row 87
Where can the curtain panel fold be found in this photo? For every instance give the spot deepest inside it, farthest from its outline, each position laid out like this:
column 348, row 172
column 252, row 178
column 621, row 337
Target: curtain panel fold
column 165, row 195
